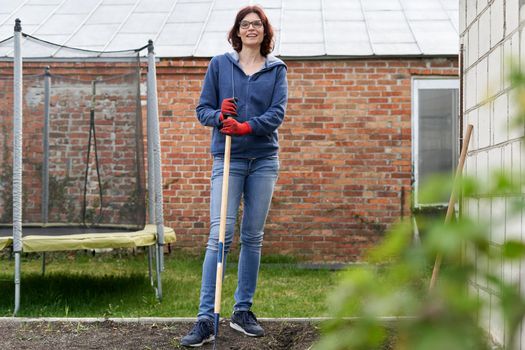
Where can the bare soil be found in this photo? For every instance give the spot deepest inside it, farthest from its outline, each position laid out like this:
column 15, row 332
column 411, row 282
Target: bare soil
column 120, row 335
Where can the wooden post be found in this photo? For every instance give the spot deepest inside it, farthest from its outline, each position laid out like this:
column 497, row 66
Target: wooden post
column 452, row 201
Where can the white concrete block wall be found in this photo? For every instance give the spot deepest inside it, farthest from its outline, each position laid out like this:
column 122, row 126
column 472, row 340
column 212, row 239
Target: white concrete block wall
column 484, row 296
column 497, row 222
column 496, row 22
column 469, row 7
column 507, row 159
column 482, row 86
column 493, row 36
column 484, row 32
column 517, row 162
column 512, row 15
column 496, row 320
column 507, row 61
column 473, row 42
column 472, row 118
column 484, row 125
column 482, row 169
column 514, row 133
column 494, row 159
column 470, row 80
column 495, row 71
column 499, row 119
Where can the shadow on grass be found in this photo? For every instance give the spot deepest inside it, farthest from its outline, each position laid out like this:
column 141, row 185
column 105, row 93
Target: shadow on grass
column 63, row 295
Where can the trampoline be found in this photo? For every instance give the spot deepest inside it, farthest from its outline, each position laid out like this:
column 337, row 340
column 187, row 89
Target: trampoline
column 60, row 238
column 6, row 241
column 73, row 151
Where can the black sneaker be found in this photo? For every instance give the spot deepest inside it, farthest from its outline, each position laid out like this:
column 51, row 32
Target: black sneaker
column 202, row 332
column 246, row 322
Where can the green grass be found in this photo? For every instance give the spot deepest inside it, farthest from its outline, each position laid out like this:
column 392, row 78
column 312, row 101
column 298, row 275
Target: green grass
column 117, row 285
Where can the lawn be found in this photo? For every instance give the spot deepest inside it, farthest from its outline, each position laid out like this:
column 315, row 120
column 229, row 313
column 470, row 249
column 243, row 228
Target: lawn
column 116, row 284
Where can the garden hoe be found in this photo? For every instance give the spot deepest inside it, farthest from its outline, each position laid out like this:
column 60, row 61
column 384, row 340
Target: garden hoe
column 222, row 234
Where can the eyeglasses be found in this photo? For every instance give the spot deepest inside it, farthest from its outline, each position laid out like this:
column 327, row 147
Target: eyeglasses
column 256, row 24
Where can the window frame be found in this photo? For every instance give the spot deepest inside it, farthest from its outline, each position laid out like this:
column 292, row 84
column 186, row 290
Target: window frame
column 429, row 83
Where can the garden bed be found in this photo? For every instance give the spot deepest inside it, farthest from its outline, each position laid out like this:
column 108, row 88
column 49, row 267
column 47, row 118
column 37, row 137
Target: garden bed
column 283, row 335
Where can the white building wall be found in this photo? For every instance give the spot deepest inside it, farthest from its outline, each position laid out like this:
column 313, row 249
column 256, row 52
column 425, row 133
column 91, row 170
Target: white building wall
column 492, row 34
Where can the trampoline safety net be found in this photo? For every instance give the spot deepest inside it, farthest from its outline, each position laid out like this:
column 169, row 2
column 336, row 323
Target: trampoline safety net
column 83, row 158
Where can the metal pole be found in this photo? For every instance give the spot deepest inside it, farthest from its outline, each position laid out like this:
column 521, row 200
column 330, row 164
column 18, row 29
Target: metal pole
column 151, row 171
column 150, row 274
column 43, row 263
column 45, row 165
column 158, row 261
column 151, row 184
column 17, row 160
column 153, row 118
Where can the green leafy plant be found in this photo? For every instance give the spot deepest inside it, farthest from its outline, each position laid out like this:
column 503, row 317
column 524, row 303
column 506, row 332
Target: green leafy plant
column 395, row 282
column 387, row 303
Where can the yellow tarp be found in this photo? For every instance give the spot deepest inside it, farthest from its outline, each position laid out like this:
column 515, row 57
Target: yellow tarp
column 5, row 242
column 135, row 239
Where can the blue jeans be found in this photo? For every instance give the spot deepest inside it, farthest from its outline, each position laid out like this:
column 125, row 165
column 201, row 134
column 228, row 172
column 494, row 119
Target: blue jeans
column 253, row 180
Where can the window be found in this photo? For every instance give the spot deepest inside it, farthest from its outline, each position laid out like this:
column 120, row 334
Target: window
column 435, row 130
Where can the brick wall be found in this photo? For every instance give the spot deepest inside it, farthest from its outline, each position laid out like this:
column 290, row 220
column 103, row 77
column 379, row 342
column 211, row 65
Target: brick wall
column 345, row 152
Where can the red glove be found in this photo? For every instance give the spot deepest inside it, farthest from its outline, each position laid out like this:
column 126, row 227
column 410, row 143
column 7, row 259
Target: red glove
column 228, row 108
column 231, row 126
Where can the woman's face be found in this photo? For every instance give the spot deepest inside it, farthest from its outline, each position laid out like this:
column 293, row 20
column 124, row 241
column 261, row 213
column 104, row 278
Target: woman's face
column 251, row 30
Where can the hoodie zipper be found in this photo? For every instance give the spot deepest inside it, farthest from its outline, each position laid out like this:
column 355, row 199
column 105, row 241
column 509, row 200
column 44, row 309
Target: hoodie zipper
column 243, row 142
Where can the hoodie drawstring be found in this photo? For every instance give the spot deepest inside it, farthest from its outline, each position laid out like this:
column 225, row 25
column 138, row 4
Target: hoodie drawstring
column 233, row 83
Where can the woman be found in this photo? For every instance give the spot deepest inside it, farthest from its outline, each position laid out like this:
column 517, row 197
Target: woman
column 244, row 95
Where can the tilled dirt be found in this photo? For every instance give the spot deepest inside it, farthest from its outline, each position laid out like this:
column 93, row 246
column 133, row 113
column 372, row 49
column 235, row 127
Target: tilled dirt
column 128, row 335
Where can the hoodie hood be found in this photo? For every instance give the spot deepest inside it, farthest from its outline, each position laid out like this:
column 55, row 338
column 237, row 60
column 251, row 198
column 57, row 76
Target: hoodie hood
column 270, row 60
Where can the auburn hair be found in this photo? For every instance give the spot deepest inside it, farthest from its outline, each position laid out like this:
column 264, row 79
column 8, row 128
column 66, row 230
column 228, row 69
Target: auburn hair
column 235, row 40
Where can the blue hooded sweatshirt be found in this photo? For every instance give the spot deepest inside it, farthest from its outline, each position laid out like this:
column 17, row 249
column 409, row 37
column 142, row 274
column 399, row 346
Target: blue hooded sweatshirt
column 261, row 101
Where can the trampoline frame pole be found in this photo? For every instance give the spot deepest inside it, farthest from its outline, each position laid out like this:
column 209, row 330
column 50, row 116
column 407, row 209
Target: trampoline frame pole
column 154, row 133
column 17, row 283
column 45, row 141
column 151, row 176
column 45, row 161
column 151, row 191
column 150, row 274
column 17, row 159
column 43, row 263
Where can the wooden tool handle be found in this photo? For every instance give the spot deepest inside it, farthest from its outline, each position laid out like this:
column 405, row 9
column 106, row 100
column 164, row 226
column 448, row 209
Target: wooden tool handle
column 452, row 201
column 222, row 224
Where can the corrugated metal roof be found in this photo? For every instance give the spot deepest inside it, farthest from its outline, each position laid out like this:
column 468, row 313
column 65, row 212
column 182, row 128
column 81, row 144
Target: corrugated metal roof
column 199, row 27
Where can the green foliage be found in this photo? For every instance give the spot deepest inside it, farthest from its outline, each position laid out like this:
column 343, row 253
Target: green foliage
column 395, row 283
column 436, row 189
column 517, row 80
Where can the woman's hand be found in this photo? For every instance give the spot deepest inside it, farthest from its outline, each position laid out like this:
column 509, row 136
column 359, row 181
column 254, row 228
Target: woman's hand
column 228, row 108
column 230, row 126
